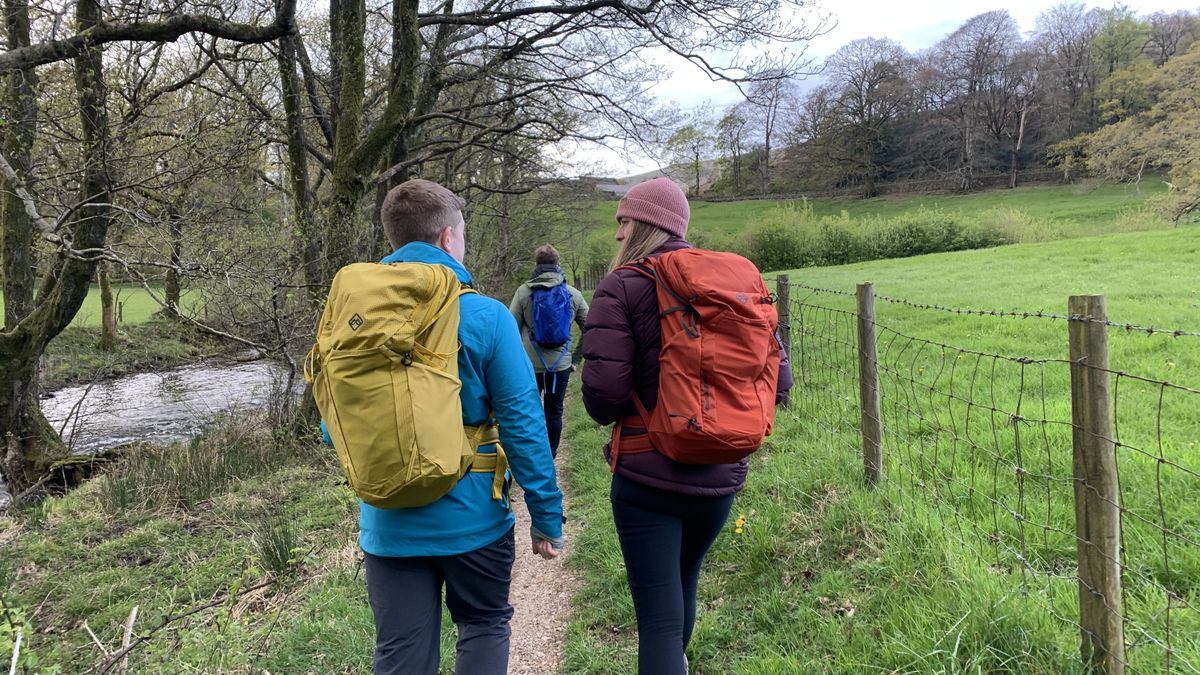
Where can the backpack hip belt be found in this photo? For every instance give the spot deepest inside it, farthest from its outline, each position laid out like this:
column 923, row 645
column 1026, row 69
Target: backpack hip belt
column 494, row 463
column 634, row 443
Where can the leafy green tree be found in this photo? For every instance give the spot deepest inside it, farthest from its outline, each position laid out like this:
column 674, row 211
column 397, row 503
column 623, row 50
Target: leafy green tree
column 1166, row 136
column 689, row 146
column 1120, row 41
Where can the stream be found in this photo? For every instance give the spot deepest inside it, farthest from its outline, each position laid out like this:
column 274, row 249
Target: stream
column 159, row 407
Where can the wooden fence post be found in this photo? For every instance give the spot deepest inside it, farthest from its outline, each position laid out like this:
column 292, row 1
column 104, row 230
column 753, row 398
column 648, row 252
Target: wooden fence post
column 1097, row 488
column 868, row 386
column 783, row 306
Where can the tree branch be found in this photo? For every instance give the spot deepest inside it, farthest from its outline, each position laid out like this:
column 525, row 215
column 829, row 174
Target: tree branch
column 169, row 30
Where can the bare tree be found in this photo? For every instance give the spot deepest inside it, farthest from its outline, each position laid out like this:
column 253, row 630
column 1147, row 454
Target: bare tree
column 768, row 98
column 1064, row 35
column 968, row 61
column 1170, row 34
column 849, row 121
column 573, row 70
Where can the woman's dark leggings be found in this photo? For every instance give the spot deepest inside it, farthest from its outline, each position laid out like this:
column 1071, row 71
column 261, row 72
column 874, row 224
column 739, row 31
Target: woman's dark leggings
column 664, row 538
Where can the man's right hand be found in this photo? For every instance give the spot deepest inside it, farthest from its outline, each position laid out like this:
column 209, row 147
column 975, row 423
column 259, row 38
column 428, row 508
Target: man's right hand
column 545, row 549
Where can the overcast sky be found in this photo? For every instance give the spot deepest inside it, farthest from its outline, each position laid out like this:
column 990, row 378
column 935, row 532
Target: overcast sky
column 912, row 24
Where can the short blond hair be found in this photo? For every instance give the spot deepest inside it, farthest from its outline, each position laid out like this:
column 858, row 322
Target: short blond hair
column 418, row 210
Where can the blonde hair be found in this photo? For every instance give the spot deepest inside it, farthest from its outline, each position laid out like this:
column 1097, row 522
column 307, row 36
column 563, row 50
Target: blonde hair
column 641, row 240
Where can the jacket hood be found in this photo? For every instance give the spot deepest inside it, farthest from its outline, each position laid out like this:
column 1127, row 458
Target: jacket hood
column 421, row 252
column 547, row 279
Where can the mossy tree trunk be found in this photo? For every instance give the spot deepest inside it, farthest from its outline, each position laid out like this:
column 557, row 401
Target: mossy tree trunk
column 308, row 238
column 172, row 289
column 19, row 110
column 333, row 234
column 357, row 152
column 31, row 445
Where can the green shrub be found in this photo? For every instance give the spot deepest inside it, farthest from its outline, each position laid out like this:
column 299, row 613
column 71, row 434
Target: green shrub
column 791, row 237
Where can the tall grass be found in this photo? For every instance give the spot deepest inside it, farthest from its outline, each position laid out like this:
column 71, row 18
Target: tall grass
column 185, row 474
column 278, row 545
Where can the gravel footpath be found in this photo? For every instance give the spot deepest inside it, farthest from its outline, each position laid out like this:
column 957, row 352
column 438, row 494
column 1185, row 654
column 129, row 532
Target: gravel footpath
column 541, row 595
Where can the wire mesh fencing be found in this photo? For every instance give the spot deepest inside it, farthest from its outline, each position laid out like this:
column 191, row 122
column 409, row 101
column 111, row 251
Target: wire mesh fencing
column 1070, row 478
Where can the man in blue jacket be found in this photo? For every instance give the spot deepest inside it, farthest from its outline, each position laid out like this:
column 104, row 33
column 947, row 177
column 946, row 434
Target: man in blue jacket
column 465, row 540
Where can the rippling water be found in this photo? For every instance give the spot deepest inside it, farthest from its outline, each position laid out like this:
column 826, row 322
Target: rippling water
column 159, row 407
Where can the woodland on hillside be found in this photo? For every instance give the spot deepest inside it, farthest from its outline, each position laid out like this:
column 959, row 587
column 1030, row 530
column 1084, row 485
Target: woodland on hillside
column 984, row 106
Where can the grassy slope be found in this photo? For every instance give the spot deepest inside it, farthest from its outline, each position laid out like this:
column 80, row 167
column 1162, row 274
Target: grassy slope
column 829, row 577
column 173, row 529
column 1072, row 210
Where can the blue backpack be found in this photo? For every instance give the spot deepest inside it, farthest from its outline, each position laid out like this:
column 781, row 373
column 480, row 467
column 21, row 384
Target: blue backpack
column 552, row 314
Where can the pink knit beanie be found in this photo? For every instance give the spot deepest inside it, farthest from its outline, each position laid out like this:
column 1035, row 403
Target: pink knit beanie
column 657, row 202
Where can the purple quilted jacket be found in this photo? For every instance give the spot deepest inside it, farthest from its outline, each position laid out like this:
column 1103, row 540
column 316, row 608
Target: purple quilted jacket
column 621, row 343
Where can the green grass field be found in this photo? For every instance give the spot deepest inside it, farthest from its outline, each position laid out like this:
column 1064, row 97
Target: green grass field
column 135, row 305
column 1044, row 211
column 959, row 562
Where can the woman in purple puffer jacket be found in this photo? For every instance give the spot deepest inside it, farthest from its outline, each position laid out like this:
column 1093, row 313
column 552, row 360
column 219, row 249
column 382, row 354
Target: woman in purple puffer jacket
column 667, row 514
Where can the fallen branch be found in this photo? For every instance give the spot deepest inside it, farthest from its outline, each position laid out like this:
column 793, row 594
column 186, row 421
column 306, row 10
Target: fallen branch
column 125, row 640
column 12, row 669
column 99, row 644
column 120, row 655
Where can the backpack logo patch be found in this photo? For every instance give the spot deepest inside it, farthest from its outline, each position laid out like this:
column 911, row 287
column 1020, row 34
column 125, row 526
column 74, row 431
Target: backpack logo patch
column 355, row 322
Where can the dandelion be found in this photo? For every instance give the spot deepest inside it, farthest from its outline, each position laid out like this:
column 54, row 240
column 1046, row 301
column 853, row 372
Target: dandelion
column 740, row 526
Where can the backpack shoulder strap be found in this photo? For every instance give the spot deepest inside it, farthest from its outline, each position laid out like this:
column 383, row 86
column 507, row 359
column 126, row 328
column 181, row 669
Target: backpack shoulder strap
column 643, row 266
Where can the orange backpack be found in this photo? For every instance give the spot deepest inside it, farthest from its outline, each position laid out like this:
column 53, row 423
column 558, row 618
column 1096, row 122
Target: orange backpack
column 719, row 363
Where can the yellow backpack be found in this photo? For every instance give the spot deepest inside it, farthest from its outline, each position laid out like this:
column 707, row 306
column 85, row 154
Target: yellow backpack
column 386, row 383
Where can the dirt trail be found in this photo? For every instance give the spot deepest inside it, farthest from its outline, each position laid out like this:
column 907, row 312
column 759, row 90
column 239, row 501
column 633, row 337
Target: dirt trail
column 541, row 595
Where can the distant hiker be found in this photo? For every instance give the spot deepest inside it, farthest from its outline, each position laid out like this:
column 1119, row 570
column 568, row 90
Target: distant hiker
column 430, row 463
column 544, row 307
column 681, row 354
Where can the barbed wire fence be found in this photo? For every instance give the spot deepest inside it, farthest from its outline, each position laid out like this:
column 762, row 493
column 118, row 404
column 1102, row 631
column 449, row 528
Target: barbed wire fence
column 1075, row 479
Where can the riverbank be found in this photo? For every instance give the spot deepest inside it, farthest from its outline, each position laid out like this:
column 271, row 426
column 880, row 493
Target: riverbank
column 238, row 549
column 74, row 357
